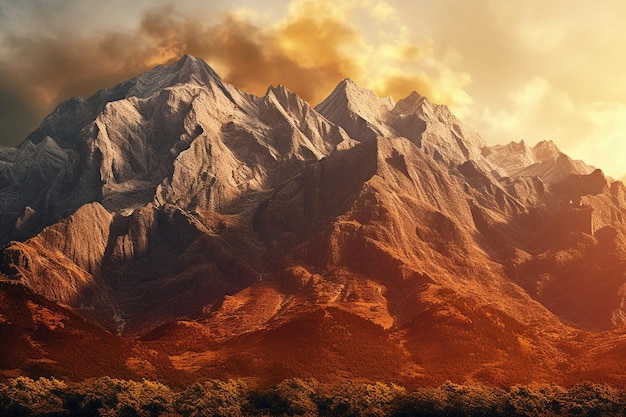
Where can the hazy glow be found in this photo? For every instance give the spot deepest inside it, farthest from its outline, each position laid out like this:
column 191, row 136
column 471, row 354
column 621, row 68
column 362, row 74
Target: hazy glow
column 528, row 70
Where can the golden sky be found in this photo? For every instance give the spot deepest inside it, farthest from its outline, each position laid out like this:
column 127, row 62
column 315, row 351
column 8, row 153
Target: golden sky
column 513, row 70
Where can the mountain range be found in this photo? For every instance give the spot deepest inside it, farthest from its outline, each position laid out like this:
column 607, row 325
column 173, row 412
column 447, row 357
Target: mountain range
column 176, row 228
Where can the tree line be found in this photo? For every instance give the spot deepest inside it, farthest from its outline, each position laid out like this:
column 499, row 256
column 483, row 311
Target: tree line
column 108, row 397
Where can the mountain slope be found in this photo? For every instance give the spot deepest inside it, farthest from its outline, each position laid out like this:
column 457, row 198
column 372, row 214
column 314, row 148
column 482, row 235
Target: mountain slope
column 259, row 237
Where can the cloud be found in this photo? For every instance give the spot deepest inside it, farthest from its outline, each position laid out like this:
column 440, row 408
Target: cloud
column 604, row 146
column 513, row 70
column 309, row 50
column 305, row 52
column 537, row 104
column 302, row 52
column 538, row 70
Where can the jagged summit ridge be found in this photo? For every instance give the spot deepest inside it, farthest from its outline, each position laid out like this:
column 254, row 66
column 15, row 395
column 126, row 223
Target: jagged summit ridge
column 544, row 160
column 161, row 138
column 431, row 127
column 358, row 110
column 70, row 116
column 125, row 146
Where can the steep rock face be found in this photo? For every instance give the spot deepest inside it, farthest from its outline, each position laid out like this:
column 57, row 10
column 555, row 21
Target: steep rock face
column 62, row 152
column 83, row 237
column 130, row 271
column 310, row 133
column 200, row 143
column 398, row 215
column 175, row 150
column 382, row 232
column 27, row 175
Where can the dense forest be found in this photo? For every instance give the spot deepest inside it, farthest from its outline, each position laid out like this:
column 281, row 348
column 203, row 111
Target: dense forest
column 295, row 397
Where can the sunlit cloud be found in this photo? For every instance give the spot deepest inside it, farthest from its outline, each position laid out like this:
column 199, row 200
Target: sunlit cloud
column 528, row 70
column 315, row 45
column 382, row 10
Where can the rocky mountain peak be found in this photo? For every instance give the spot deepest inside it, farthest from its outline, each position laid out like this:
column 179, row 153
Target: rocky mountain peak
column 359, row 100
column 285, row 98
column 546, row 150
column 162, row 137
column 413, row 103
column 544, row 160
column 187, row 70
column 358, row 110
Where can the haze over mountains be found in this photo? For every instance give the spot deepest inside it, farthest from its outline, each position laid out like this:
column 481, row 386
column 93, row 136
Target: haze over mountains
column 214, row 233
